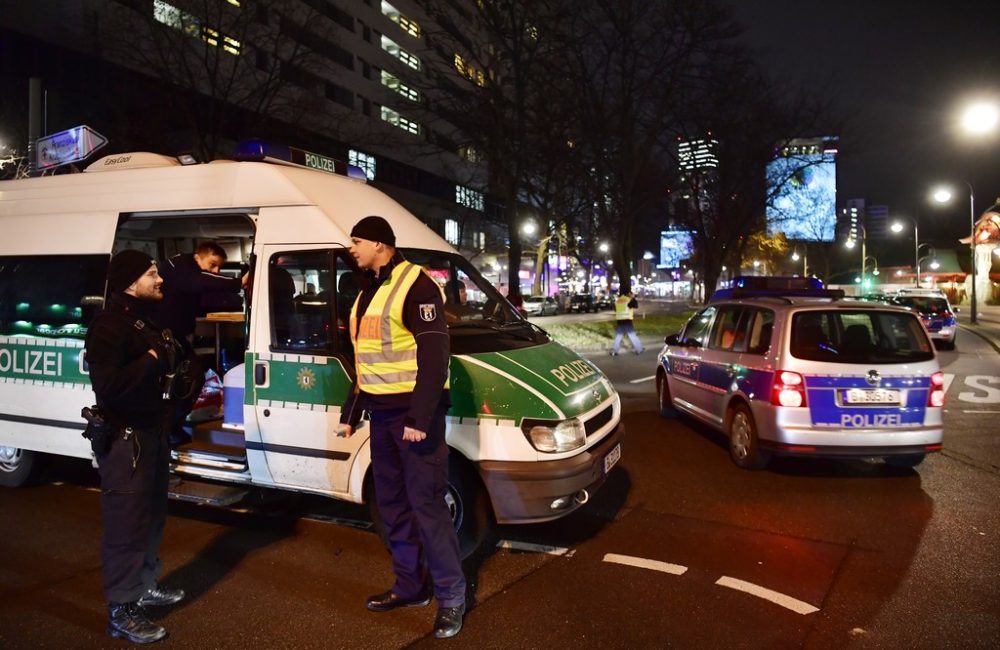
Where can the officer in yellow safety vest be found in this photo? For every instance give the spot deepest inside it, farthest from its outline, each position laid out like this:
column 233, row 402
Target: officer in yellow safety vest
column 624, row 304
column 401, row 350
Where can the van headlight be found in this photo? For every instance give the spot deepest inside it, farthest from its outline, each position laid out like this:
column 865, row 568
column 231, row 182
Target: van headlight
column 552, row 436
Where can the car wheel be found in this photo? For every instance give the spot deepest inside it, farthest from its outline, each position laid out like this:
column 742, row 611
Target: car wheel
column 905, row 462
column 467, row 501
column 18, row 466
column 666, row 403
column 744, row 446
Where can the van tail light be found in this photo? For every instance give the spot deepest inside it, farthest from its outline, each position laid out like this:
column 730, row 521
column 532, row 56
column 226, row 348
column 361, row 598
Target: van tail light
column 789, row 389
column 936, row 395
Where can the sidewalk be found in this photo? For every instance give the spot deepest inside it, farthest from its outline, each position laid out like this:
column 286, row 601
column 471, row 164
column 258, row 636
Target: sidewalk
column 987, row 324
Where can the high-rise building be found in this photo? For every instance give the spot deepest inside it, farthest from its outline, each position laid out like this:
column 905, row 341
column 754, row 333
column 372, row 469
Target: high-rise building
column 324, row 76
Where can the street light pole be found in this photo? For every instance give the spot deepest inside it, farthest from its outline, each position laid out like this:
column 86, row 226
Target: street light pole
column 972, row 246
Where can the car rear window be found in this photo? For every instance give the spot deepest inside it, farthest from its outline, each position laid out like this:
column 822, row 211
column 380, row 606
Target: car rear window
column 925, row 305
column 868, row 336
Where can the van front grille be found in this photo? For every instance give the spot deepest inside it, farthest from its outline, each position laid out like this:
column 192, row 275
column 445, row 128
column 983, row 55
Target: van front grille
column 597, row 422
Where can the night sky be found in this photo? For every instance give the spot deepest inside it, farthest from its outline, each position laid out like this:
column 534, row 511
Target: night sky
column 898, row 72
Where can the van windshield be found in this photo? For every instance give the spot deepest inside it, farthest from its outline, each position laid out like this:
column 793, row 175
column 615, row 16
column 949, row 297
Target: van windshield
column 867, row 336
column 480, row 319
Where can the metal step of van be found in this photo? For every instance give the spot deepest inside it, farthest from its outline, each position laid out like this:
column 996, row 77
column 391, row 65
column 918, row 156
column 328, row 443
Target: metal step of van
column 233, row 460
column 205, row 493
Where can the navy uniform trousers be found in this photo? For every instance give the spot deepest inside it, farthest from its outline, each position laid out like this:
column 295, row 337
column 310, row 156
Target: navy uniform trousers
column 134, row 480
column 410, row 483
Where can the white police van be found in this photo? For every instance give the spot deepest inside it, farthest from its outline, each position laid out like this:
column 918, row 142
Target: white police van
column 782, row 366
column 935, row 312
column 534, row 428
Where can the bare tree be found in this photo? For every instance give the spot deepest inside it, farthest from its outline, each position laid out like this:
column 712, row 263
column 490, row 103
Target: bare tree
column 226, row 71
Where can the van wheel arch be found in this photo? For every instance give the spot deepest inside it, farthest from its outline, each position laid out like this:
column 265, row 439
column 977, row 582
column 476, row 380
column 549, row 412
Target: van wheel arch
column 19, row 466
column 467, row 501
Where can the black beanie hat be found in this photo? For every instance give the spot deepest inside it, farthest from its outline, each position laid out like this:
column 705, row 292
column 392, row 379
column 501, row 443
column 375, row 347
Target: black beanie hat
column 374, row 229
column 126, row 267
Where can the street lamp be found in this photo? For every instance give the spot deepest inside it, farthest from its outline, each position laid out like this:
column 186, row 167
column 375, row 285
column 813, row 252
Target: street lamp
column 804, row 257
column 980, row 118
column 898, row 227
column 943, row 195
column 930, row 255
column 864, row 249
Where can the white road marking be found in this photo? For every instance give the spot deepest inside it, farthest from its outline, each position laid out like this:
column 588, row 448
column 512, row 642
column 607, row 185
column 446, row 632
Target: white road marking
column 534, row 548
column 974, row 411
column 775, row 597
column 978, row 382
column 948, row 378
column 643, row 563
column 639, row 381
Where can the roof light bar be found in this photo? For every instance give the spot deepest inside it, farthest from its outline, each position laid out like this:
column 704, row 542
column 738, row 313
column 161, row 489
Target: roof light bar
column 262, row 151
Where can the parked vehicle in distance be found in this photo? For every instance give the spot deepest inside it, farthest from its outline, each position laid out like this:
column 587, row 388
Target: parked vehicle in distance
column 935, row 312
column 581, row 302
column 604, row 301
column 540, row 306
column 804, row 372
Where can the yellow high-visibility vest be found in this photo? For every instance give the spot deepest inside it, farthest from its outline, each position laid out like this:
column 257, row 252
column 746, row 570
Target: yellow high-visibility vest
column 385, row 351
column 622, row 310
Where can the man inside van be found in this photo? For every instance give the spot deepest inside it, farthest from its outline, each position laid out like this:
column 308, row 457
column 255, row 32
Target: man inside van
column 188, row 280
column 402, row 382
column 130, row 357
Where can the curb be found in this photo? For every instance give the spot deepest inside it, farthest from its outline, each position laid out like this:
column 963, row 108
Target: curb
column 993, row 341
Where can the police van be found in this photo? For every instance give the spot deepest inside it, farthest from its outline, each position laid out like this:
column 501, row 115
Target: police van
column 935, row 312
column 533, row 429
column 782, row 366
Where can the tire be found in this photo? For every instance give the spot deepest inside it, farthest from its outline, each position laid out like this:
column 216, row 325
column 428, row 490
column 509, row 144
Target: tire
column 664, row 400
column 18, row 466
column 905, row 462
column 467, row 502
column 744, row 446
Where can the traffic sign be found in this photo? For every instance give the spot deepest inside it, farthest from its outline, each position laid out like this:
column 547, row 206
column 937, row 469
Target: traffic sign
column 69, row 146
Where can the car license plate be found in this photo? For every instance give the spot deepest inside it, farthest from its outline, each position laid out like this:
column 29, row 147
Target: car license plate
column 612, row 457
column 871, row 396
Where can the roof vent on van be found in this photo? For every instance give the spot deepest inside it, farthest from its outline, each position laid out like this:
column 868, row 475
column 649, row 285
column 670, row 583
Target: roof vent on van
column 135, row 160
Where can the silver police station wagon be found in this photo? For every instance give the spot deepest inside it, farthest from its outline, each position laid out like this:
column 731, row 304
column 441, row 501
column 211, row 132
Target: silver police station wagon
column 785, row 367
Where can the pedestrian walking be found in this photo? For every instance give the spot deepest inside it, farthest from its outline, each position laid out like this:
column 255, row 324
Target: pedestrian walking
column 625, row 304
column 132, row 370
column 401, row 350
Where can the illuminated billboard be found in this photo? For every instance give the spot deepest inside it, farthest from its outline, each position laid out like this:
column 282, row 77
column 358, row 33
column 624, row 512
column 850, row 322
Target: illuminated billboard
column 675, row 246
column 802, row 184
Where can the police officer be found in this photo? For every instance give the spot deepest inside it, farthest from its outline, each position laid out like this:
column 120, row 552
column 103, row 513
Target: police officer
column 130, row 359
column 188, row 280
column 625, row 303
column 401, row 353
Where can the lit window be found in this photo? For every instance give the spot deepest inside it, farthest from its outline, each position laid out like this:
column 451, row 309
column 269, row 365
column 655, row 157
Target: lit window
column 470, row 153
column 406, row 24
column 363, row 160
column 235, row 3
column 469, row 72
column 469, row 198
column 390, row 80
column 394, row 118
column 451, row 231
column 231, row 45
column 481, row 240
column 395, row 50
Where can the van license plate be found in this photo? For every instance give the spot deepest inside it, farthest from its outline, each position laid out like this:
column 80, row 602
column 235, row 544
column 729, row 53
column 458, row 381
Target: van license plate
column 872, row 396
column 612, row 457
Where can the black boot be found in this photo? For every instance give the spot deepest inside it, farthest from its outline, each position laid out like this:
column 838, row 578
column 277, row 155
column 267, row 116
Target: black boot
column 128, row 621
column 159, row 595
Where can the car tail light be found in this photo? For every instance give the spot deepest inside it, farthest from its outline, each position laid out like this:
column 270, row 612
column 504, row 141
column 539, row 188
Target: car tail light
column 789, row 389
column 936, row 395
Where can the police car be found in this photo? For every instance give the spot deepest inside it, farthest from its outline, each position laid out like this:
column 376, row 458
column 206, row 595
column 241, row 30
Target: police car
column 935, row 311
column 785, row 367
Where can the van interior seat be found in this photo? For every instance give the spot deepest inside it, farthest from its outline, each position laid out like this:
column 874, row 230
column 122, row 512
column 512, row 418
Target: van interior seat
column 856, row 340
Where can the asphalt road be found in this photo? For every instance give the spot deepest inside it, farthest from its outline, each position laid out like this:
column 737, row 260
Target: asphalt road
column 679, row 549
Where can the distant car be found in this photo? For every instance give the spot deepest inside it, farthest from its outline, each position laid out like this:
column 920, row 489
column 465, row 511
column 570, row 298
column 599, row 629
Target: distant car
column 581, row 302
column 935, row 313
column 604, row 301
column 540, row 306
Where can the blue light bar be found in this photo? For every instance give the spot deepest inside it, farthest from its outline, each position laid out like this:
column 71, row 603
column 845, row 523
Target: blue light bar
column 262, row 151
